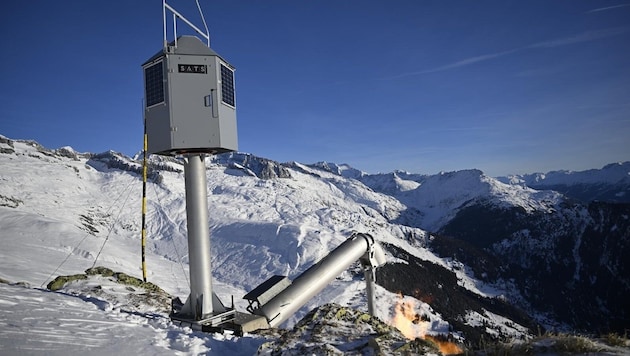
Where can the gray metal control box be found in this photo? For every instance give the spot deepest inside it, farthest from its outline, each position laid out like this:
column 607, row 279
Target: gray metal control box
column 189, row 100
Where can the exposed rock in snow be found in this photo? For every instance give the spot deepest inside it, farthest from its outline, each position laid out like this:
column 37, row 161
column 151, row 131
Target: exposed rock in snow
column 332, row 329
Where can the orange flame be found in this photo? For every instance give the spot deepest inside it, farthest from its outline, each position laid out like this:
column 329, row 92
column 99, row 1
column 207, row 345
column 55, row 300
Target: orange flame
column 407, row 320
column 412, row 326
column 446, row 347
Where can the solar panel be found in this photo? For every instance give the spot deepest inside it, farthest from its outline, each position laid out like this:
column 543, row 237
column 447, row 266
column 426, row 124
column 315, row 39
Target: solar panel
column 227, row 85
column 154, row 84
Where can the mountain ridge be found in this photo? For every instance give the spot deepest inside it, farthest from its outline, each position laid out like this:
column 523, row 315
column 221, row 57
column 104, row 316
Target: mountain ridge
column 281, row 218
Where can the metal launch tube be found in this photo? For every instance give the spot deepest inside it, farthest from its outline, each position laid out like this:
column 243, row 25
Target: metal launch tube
column 313, row 280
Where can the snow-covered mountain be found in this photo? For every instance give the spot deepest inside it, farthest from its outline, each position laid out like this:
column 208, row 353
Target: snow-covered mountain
column 524, row 231
column 62, row 212
column 610, row 183
column 437, row 198
column 570, row 262
column 611, row 173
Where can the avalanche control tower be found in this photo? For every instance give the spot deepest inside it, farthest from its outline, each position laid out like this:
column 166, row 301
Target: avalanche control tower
column 190, row 110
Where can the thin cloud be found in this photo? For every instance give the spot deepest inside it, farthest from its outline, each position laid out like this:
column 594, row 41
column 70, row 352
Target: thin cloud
column 472, row 60
column 607, row 8
column 582, row 37
column 462, row 129
column 559, row 42
column 461, row 63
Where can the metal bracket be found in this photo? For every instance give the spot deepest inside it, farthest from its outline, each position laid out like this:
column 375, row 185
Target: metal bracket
column 177, row 15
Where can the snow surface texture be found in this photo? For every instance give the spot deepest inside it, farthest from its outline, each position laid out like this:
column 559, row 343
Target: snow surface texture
column 62, row 212
column 34, row 321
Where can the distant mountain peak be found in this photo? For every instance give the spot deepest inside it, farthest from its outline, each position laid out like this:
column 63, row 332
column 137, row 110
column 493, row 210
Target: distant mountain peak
column 610, row 183
column 249, row 164
column 344, row 170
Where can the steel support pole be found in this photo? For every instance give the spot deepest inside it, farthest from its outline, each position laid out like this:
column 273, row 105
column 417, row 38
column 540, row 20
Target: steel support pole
column 198, row 237
column 369, row 280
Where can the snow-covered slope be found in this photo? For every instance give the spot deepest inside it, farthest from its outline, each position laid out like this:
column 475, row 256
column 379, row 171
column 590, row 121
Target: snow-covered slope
column 62, row 212
column 55, row 206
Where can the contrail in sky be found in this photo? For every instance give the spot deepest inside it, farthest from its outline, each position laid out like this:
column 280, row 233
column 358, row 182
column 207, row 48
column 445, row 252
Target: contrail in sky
column 558, row 42
column 607, row 8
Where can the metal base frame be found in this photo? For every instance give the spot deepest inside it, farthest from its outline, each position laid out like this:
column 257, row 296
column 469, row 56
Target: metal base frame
column 212, row 323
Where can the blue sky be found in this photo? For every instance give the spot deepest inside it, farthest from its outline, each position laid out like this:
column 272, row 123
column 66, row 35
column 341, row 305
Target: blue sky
column 423, row 86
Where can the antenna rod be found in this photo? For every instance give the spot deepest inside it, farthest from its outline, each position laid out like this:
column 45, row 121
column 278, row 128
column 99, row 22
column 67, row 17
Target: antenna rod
column 164, row 22
column 204, row 21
